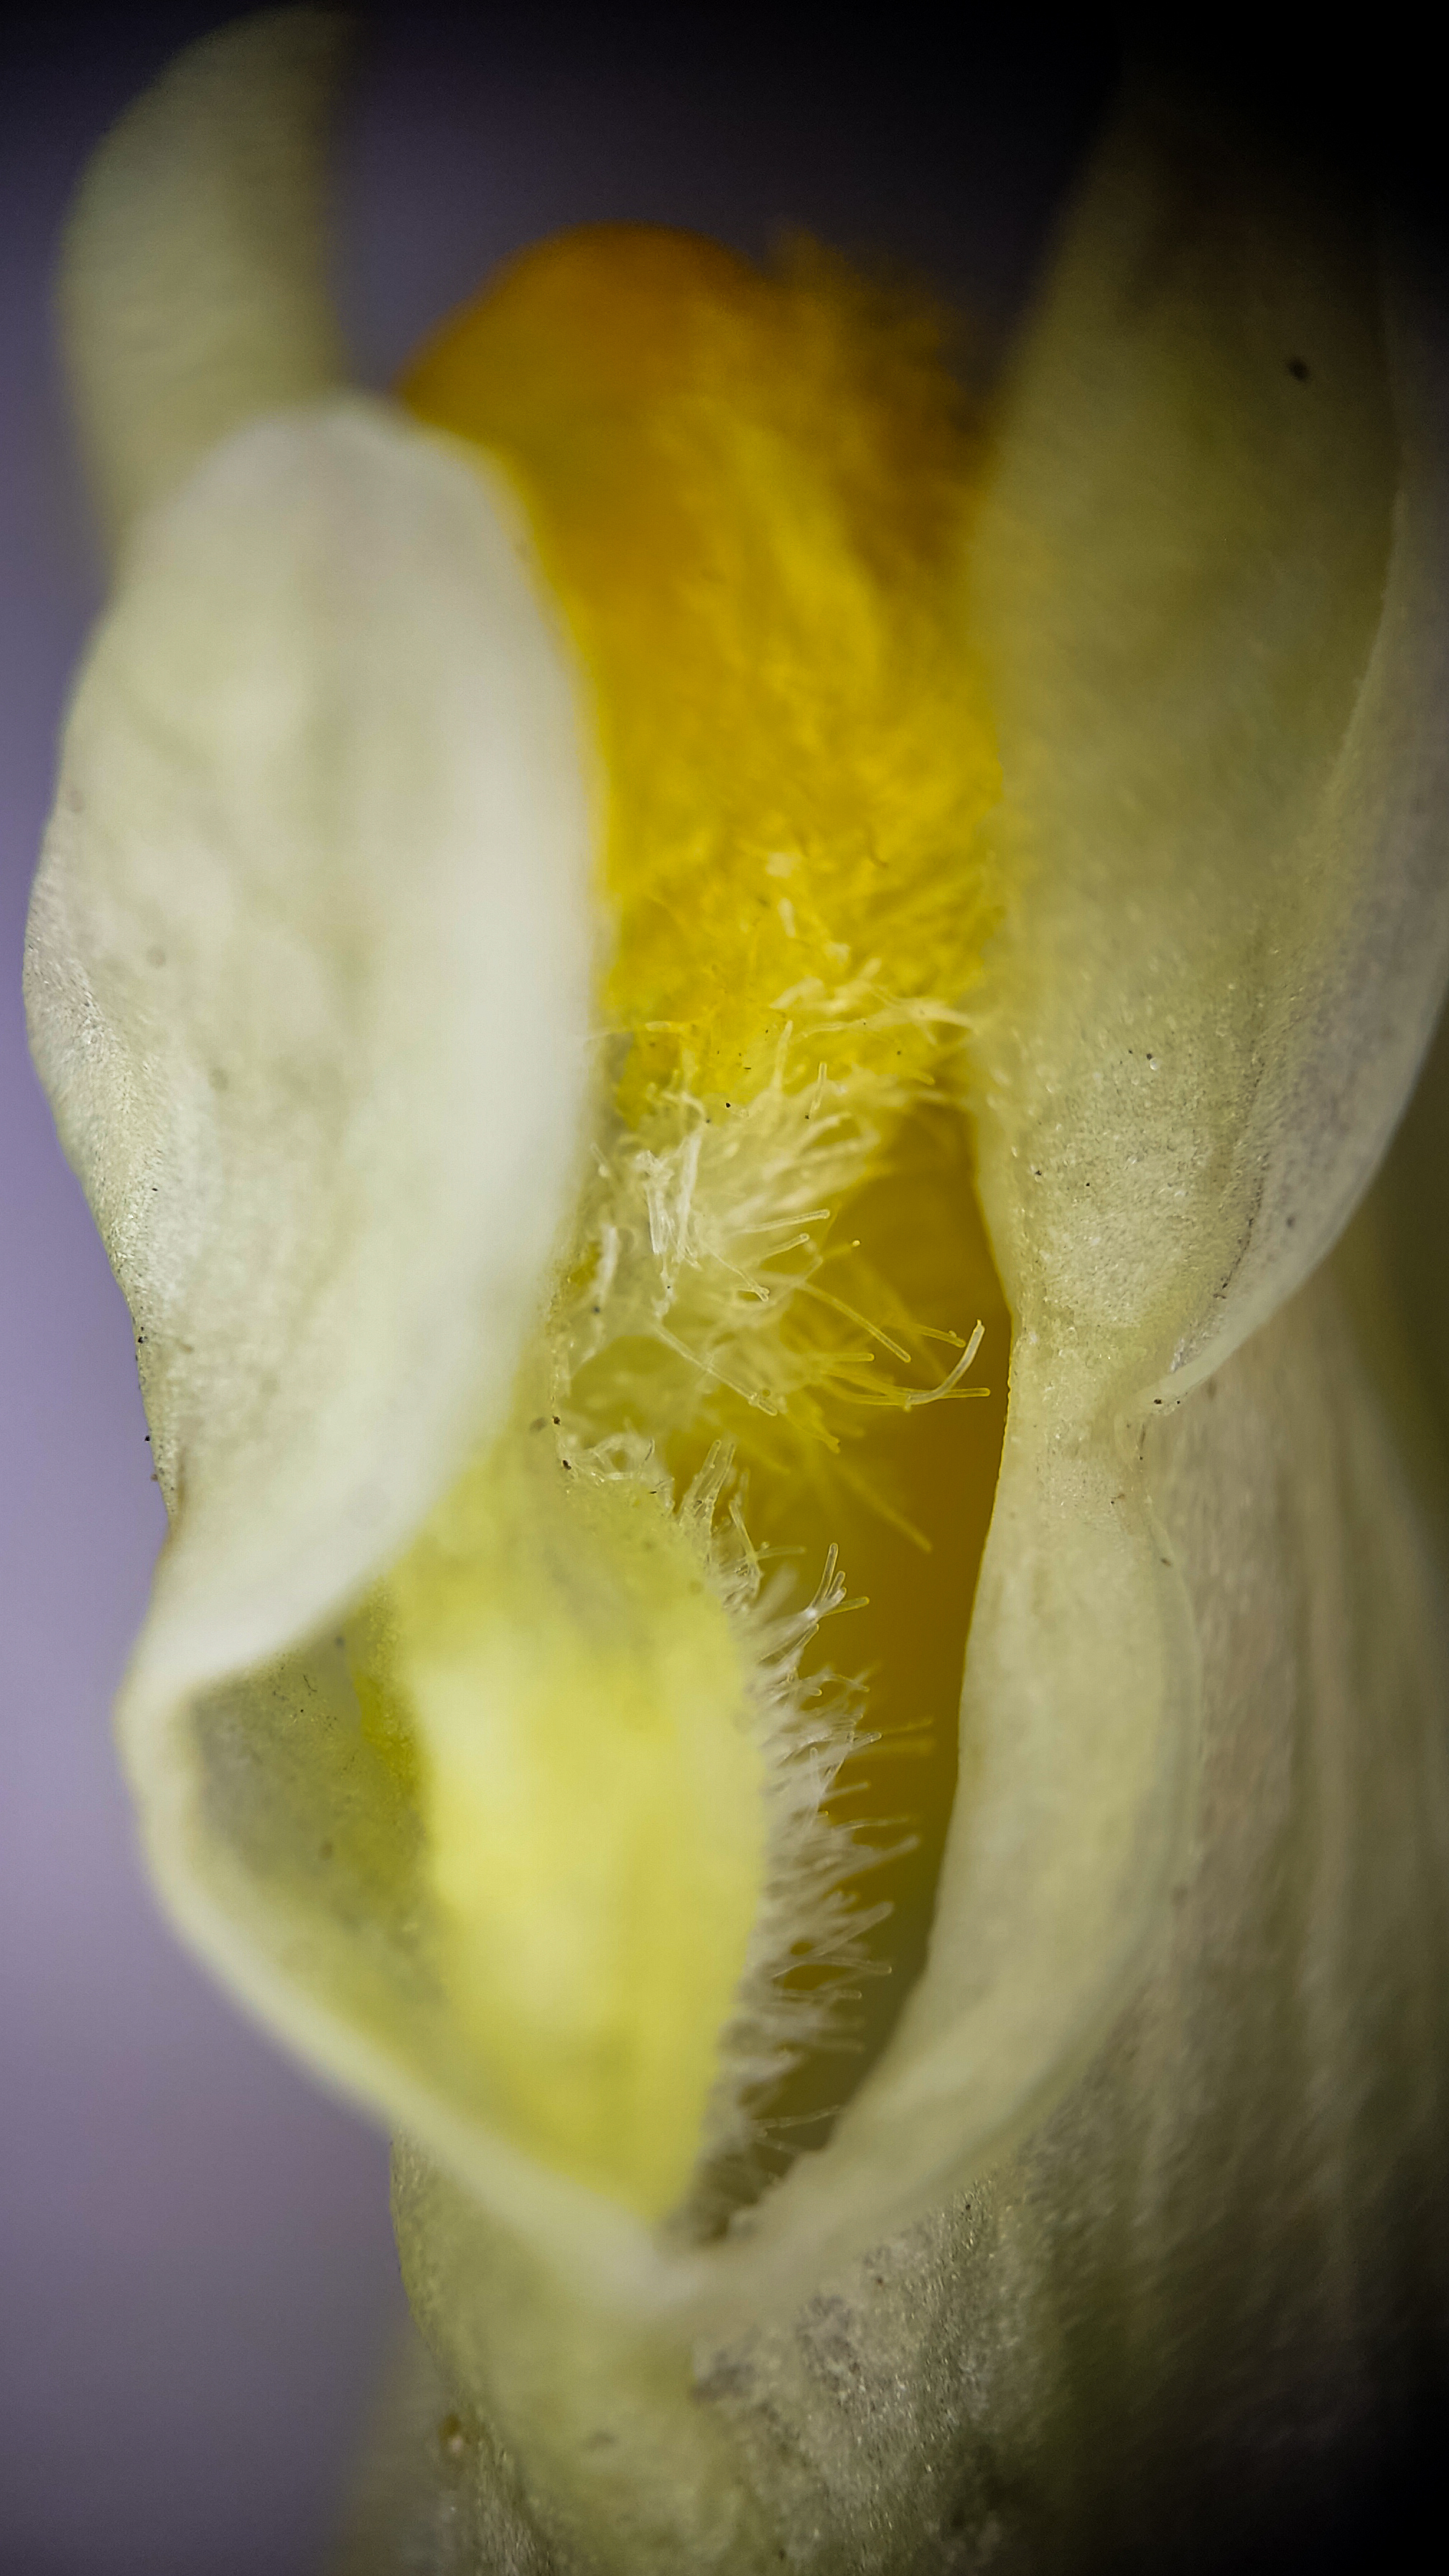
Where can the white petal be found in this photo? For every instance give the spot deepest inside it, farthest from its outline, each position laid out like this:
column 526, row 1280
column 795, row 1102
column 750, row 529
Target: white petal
column 308, row 980
column 1212, row 585
column 193, row 286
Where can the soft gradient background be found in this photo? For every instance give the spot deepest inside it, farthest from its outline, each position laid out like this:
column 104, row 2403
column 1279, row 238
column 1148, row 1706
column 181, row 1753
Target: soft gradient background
column 197, row 2283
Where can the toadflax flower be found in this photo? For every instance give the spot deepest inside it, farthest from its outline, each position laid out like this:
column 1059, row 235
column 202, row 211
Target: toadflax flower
column 680, row 975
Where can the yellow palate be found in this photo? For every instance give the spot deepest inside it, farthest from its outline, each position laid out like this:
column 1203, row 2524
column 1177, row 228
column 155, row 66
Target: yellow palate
column 670, row 1855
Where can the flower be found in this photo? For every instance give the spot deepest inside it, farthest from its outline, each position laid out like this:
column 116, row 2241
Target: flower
column 1144, row 696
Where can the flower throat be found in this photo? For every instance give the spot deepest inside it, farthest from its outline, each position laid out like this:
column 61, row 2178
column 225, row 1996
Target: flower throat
column 749, row 494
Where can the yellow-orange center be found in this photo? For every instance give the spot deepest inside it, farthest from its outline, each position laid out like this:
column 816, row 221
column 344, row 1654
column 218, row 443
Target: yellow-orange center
column 749, row 494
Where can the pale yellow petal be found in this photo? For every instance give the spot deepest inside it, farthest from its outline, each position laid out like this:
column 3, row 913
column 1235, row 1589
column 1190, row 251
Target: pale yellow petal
column 193, row 284
column 1189, row 2303
column 308, row 981
column 1215, row 628
column 1210, row 583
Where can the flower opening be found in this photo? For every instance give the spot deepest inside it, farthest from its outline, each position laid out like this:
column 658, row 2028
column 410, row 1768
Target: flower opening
column 684, row 1909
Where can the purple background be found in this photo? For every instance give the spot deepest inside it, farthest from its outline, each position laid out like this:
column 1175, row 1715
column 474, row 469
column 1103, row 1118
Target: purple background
column 197, row 2283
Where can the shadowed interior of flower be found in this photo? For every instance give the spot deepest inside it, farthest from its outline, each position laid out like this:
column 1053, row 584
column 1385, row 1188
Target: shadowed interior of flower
column 672, row 1674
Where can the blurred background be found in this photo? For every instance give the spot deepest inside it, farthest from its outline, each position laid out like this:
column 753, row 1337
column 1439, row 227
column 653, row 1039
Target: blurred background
column 197, row 2282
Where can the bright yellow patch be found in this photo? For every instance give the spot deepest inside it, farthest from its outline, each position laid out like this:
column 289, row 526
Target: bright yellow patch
column 748, row 491
column 598, row 1668
column 596, row 1822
